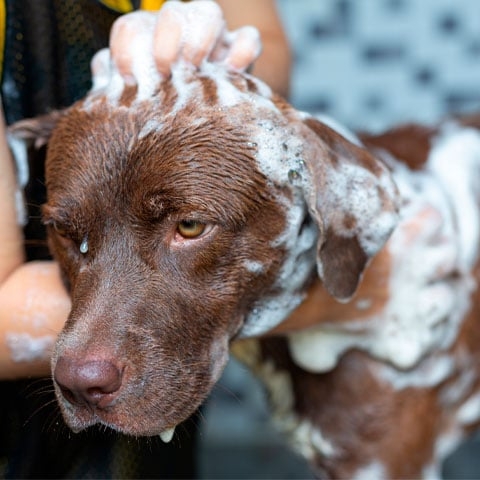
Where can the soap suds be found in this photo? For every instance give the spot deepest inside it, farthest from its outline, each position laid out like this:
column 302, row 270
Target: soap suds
column 297, row 268
column 355, row 189
column 26, row 348
column 254, row 266
column 374, row 469
column 469, row 412
column 428, row 298
column 18, row 147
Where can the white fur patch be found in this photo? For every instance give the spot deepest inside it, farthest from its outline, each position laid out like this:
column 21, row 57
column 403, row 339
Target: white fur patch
column 18, row 148
column 306, row 438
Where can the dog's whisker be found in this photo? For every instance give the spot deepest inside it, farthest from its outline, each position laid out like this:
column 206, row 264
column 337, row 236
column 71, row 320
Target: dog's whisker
column 196, row 419
column 35, row 382
column 39, row 409
column 231, row 393
column 33, row 205
column 41, row 391
column 35, row 242
column 56, row 424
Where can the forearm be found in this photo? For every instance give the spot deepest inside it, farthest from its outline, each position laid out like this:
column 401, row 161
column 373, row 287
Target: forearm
column 33, row 308
column 276, row 73
column 11, row 238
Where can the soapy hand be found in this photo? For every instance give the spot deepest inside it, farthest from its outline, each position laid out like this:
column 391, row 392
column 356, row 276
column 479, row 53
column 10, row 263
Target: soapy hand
column 190, row 32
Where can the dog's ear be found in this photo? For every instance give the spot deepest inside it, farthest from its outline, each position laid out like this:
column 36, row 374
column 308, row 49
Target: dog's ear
column 35, row 131
column 353, row 200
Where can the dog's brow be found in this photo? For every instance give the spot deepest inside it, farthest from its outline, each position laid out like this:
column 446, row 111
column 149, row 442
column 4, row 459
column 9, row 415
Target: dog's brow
column 54, row 213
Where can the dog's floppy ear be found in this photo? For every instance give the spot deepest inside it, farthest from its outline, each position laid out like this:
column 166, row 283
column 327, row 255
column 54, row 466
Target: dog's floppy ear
column 354, row 201
column 35, row 131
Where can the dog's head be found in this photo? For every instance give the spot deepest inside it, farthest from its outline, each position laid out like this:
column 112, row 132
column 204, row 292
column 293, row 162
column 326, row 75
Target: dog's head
column 184, row 218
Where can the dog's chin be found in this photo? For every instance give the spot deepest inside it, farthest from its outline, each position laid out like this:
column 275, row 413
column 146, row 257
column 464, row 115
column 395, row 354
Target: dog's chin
column 126, row 428
column 151, row 414
column 133, row 423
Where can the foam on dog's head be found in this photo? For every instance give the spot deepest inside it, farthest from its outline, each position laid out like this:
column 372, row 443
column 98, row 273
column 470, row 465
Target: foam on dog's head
column 179, row 36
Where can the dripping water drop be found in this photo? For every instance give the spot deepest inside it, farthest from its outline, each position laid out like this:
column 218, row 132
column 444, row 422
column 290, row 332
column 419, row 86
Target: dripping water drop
column 84, row 246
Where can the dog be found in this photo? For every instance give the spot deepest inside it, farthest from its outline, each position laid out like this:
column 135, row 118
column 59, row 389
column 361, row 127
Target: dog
column 204, row 213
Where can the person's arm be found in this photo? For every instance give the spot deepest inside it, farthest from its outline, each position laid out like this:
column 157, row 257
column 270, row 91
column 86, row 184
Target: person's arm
column 33, row 308
column 11, row 238
column 33, row 302
column 274, row 64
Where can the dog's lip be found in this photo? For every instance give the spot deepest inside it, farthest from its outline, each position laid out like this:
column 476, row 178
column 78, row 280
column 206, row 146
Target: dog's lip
column 83, row 418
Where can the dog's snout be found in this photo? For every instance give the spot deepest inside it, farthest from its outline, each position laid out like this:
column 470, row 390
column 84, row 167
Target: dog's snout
column 93, row 383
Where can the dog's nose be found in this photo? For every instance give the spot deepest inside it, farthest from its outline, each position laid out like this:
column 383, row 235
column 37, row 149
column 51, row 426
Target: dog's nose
column 91, row 383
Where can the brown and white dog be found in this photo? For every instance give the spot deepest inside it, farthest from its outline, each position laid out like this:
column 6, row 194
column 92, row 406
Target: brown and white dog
column 200, row 210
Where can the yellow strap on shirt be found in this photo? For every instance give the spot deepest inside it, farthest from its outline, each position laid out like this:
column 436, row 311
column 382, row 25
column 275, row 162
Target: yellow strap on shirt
column 122, row 6
column 2, row 33
column 125, row 6
column 151, row 4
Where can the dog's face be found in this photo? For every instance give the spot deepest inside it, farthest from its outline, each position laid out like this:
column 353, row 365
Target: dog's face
column 185, row 219
column 165, row 239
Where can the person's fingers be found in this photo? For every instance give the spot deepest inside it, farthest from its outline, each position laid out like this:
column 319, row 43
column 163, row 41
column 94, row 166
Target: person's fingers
column 244, row 48
column 131, row 44
column 186, row 31
column 203, row 27
column 167, row 37
column 101, row 69
column 142, row 42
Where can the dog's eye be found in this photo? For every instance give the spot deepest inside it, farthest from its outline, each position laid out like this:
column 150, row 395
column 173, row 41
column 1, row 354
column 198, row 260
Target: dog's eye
column 59, row 229
column 190, row 228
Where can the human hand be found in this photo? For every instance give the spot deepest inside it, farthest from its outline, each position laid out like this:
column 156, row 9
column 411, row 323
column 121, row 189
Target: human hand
column 146, row 43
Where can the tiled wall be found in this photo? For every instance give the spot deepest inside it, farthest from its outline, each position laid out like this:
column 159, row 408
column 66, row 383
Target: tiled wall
column 374, row 63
